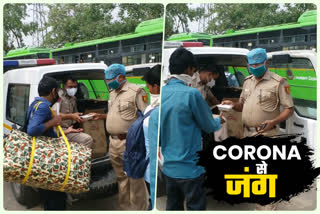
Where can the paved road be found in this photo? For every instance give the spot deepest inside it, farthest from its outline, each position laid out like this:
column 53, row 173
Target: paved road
column 304, row 201
column 110, row 203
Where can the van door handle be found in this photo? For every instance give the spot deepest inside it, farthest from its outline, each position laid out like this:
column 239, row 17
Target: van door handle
column 299, row 125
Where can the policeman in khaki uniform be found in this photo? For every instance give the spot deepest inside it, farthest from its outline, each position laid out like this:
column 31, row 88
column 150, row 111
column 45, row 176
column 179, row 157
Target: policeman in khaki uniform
column 69, row 113
column 262, row 94
column 125, row 100
column 203, row 80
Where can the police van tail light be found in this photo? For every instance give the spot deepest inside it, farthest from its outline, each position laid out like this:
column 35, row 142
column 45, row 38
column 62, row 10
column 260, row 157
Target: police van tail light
column 12, row 64
column 46, row 61
column 170, row 44
column 192, row 44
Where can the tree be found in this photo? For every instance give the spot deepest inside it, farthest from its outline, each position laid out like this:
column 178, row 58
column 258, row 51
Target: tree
column 178, row 17
column 77, row 23
column 131, row 15
column 243, row 16
column 83, row 22
column 14, row 30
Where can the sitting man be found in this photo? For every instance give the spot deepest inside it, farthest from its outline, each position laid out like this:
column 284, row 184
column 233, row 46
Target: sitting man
column 203, row 81
column 69, row 112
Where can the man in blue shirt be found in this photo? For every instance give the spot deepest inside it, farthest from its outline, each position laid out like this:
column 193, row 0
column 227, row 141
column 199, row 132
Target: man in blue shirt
column 41, row 123
column 153, row 148
column 184, row 113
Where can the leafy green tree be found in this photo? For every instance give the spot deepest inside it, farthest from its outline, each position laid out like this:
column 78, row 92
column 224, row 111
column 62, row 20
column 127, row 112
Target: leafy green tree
column 14, row 29
column 83, row 22
column 77, row 23
column 243, row 16
column 178, row 17
column 133, row 14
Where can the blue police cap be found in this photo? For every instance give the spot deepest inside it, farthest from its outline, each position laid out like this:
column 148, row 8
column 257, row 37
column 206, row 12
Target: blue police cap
column 114, row 70
column 257, row 56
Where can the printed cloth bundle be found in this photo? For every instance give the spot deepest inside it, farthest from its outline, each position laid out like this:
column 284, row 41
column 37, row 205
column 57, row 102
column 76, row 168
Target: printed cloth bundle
column 47, row 163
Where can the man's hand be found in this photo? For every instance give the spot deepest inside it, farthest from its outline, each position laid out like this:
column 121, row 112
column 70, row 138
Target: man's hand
column 72, row 130
column 235, row 105
column 222, row 120
column 55, row 121
column 76, row 117
column 227, row 102
column 268, row 125
column 97, row 116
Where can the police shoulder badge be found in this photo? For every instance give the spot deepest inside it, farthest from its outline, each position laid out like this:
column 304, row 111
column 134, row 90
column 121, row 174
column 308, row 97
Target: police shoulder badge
column 145, row 98
column 290, row 74
column 287, row 88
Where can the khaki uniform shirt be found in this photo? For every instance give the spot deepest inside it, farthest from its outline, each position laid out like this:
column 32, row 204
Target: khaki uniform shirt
column 262, row 99
column 203, row 88
column 68, row 105
column 123, row 106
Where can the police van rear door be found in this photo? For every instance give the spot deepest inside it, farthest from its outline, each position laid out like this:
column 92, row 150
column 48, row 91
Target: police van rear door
column 299, row 68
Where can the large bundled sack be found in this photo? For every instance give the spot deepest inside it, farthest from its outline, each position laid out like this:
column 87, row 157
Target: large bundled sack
column 49, row 163
column 97, row 130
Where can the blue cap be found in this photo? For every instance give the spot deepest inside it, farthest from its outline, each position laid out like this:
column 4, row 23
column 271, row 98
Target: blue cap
column 257, row 56
column 114, row 70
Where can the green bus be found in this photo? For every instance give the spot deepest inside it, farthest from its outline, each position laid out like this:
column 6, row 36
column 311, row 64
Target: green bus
column 290, row 36
column 205, row 38
column 144, row 45
column 29, row 53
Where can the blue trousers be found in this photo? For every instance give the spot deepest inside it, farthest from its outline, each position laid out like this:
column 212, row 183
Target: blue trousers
column 192, row 190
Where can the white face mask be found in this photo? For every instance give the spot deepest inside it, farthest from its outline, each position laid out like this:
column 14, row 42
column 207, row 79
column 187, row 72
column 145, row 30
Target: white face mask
column 183, row 77
column 211, row 83
column 71, row 91
column 154, row 100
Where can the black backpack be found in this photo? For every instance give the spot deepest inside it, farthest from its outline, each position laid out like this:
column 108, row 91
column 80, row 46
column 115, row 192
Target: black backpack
column 27, row 117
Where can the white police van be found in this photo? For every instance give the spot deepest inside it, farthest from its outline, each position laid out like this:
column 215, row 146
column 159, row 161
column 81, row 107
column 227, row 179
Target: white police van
column 234, row 60
column 20, row 89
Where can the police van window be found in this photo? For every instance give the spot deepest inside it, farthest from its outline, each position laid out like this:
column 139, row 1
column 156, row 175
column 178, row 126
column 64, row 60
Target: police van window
column 17, row 103
column 236, row 76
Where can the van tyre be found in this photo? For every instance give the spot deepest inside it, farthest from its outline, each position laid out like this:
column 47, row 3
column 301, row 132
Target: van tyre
column 101, row 187
column 25, row 195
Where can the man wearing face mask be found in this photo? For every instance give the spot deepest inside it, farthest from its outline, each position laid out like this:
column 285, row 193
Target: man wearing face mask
column 204, row 80
column 41, row 123
column 124, row 102
column 184, row 113
column 262, row 94
column 69, row 112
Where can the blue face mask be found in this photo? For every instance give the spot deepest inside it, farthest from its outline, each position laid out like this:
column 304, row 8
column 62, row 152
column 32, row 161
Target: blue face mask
column 115, row 84
column 258, row 71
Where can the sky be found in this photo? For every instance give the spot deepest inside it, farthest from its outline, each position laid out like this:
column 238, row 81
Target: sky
column 30, row 41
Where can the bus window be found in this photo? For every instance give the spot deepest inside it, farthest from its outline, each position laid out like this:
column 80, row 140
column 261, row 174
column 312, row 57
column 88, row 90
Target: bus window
column 206, row 42
column 155, row 45
column 43, row 55
column 154, row 57
column 75, row 59
column 302, row 79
